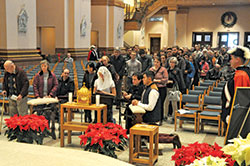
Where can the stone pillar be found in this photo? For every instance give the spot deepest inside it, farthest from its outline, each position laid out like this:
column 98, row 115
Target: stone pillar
column 107, row 18
column 18, row 31
column 172, row 25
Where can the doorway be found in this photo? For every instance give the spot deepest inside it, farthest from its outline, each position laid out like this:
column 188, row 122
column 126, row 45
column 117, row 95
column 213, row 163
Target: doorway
column 228, row 39
column 247, row 39
column 155, row 44
column 94, row 38
column 47, row 40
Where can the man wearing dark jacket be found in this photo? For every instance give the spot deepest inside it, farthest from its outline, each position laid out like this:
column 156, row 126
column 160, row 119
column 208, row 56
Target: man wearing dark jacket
column 119, row 64
column 65, row 85
column 15, row 86
column 146, row 61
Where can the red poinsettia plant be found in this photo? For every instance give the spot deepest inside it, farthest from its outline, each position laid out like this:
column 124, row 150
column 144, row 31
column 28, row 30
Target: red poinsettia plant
column 187, row 154
column 28, row 128
column 104, row 139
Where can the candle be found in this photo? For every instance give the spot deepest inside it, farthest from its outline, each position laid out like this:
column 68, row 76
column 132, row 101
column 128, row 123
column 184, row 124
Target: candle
column 97, row 100
column 70, row 97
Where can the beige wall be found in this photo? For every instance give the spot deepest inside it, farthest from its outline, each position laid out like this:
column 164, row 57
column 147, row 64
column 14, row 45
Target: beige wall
column 3, row 39
column 100, row 23
column 198, row 19
column 82, row 10
column 14, row 39
column 132, row 37
column 50, row 13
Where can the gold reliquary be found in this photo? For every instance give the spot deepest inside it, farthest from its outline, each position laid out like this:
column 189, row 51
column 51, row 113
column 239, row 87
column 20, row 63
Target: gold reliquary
column 84, row 95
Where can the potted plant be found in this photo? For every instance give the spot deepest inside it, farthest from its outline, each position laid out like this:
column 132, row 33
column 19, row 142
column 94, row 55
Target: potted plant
column 27, row 129
column 240, row 150
column 104, row 139
column 188, row 154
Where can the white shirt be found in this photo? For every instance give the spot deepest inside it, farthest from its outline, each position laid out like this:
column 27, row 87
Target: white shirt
column 153, row 98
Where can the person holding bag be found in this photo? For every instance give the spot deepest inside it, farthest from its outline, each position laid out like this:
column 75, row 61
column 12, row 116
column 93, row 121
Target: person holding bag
column 175, row 84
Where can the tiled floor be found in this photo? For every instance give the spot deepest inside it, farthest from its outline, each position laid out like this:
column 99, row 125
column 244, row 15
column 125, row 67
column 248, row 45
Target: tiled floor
column 186, row 135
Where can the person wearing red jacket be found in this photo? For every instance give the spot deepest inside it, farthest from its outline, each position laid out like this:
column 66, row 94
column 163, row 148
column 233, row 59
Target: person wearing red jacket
column 93, row 55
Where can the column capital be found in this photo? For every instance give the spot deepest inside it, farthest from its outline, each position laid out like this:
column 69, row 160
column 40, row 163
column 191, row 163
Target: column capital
column 172, row 7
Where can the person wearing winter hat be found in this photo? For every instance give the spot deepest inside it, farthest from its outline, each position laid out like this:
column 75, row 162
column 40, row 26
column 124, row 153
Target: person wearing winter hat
column 239, row 58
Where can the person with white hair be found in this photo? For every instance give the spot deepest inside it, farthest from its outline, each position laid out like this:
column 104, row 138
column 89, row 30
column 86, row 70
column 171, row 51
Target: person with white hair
column 15, row 86
column 240, row 56
column 105, row 85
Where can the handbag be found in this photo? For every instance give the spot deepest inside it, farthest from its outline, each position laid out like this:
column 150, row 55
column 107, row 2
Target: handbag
column 174, row 95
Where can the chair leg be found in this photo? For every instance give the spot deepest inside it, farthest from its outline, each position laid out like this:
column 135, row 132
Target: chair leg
column 219, row 125
column 180, row 123
column 195, row 124
column 175, row 120
column 198, row 124
column 222, row 128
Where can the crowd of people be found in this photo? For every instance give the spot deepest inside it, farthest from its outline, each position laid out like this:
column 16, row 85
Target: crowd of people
column 138, row 77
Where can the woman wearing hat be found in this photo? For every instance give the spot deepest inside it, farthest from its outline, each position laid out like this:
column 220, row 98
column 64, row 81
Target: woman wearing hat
column 93, row 55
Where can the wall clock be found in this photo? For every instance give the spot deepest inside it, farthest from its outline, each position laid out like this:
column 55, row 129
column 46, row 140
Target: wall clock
column 228, row 19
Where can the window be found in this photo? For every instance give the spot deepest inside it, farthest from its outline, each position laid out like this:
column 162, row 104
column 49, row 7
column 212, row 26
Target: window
column 229, row 39
column 156, row 19
column 247, row 39
column 202, row 38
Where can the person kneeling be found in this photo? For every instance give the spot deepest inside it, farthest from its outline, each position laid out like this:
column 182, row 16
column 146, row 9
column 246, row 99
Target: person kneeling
column 150, row 100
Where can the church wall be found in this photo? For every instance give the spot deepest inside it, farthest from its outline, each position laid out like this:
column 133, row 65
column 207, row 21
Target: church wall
column 3, row 39
column 209, row 20
column 82, row 12
column 47, row 16
column 118, row 27
column 198, row 19
column 15, row 39
column 100, row 23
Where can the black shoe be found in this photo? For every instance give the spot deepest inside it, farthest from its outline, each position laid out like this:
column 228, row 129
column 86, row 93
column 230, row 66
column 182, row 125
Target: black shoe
column 165, row 119
column 172, row 122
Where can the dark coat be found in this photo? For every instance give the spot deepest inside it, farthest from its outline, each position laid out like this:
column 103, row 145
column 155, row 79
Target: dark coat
column 119, row 64
column 38, row 84
column 22, row 82
column 177, row 76
column 87, row 80
column 136, row 92
column 146, row 63
column 64, row 87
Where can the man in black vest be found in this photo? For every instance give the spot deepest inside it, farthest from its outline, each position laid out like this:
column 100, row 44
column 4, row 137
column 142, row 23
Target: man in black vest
column 150, row 100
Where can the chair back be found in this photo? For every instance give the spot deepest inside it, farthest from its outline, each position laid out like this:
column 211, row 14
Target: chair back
column 217, row 89
column 214, row 93
column 195, row 92
column 211, row 103
column 206, row 84
column 190, row 101
column 201, row 88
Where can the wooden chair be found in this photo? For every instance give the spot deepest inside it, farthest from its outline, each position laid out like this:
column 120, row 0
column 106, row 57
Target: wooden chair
column 211, row 109
column 191, row 106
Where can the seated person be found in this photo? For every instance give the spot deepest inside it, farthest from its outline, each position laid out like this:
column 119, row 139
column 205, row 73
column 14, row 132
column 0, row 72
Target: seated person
column 150, row 100
column 134, row 92
column 106, row 86
column 69, row 59
column 65, row 85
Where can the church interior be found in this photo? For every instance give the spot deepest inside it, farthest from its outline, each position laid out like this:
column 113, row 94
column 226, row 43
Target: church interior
column 32, row 31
